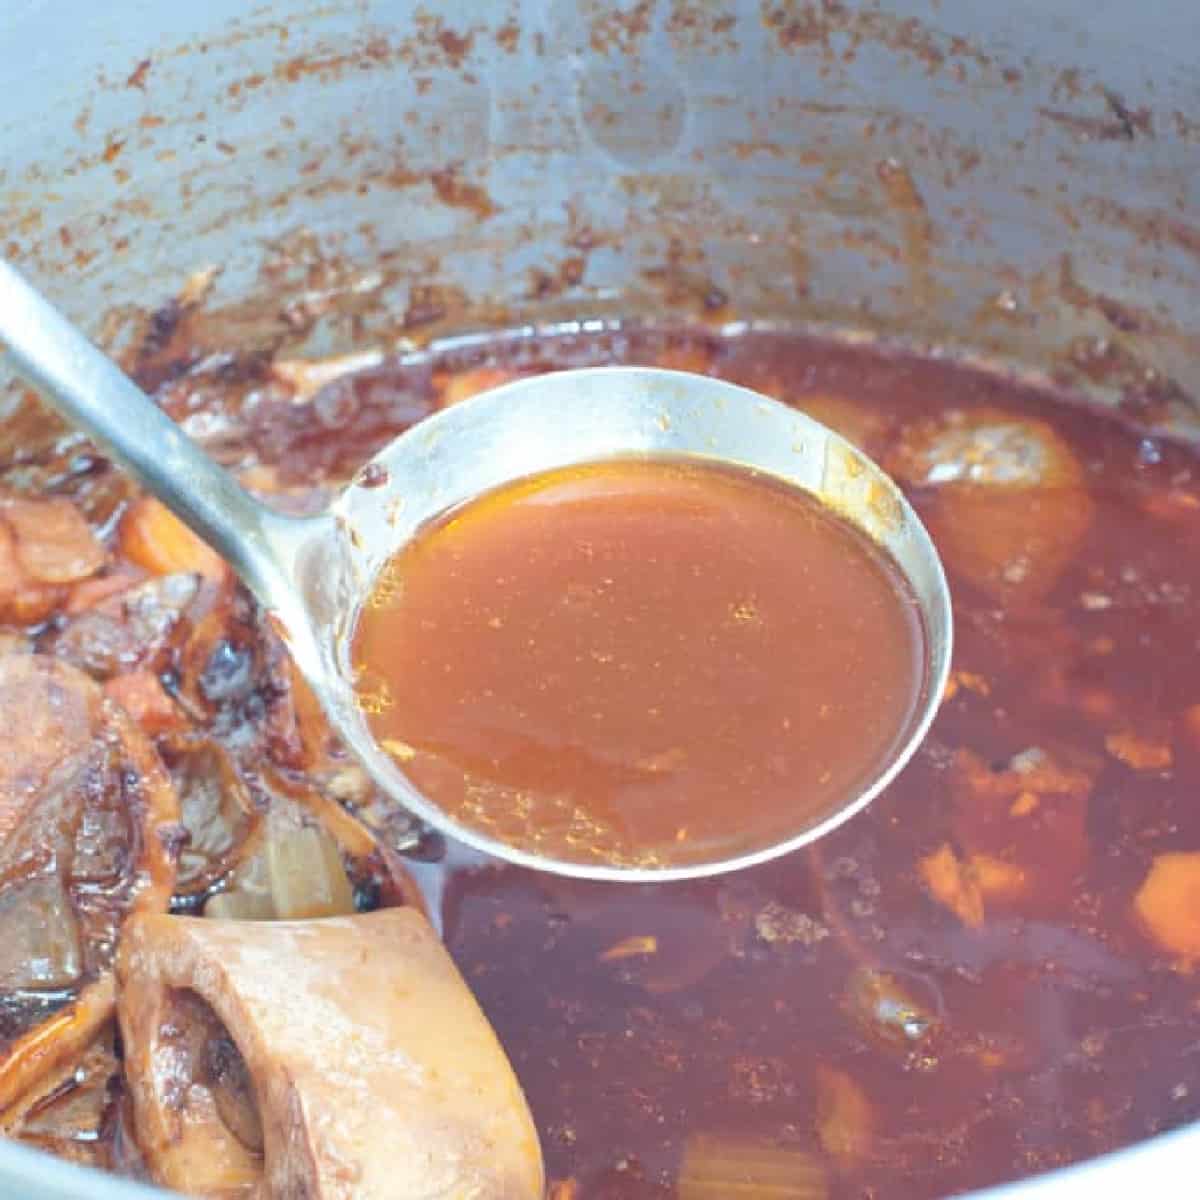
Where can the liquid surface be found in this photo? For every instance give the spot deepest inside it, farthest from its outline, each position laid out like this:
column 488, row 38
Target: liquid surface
column 641, row 662
column 990, row 972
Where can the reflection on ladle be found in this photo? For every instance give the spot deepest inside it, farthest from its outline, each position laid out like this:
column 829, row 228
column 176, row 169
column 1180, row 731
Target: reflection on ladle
column 317, row 575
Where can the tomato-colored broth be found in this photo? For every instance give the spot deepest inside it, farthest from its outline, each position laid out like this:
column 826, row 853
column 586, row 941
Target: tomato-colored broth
column 653, row 662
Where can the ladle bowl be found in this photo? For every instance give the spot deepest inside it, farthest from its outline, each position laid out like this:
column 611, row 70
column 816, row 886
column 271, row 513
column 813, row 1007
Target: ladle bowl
column 314, row 574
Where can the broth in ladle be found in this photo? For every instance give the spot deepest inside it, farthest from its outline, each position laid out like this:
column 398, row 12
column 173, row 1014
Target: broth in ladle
column 648, row 662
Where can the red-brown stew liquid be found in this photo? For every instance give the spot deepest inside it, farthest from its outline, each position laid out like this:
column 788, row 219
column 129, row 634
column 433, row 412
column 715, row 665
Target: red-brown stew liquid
column 989, row 972
column 646, row 662
column 960, row 986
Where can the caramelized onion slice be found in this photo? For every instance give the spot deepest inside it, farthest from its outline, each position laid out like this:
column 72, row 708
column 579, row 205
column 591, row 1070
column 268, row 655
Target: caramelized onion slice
column 371, row 1070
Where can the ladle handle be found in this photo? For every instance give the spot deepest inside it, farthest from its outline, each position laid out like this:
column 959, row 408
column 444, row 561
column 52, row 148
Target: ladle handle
column 93, row 393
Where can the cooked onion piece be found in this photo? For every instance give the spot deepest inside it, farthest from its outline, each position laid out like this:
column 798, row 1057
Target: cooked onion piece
column 231, row 1029
column 1005, row 498
column 216, row 809
column 722, row 1167
column 88, row 831
column 310, row 853
column 244, row 739
column 296, row 873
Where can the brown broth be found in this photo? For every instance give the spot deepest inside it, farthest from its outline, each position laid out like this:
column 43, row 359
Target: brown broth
column 656, row 662
column 641, row 1020
column 830, row 1021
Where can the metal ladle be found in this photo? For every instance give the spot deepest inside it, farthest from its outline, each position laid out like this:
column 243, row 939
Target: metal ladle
column 315, row 573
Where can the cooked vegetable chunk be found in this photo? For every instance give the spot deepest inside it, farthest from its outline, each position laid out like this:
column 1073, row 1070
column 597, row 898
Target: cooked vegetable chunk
column 87, row 817
column 718, row 1167
column 1004, row 497
column 1168, row 904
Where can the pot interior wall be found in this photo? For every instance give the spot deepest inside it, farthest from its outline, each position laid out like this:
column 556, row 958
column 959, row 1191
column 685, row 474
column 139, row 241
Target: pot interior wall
column 1004, row 180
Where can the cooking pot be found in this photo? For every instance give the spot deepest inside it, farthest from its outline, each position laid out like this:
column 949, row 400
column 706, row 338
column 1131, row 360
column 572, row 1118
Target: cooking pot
column 1016, row 183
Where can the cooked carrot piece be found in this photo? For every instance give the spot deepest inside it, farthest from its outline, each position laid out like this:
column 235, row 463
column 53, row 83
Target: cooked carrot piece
column 1020, row 829
column 1138, row 751
column 154, row 538
column 844, row 1116
column 995, row 878
column 1168, row 903
column 966, row 681
column 1024, row 804
column 990, row 1059
column 952, row 884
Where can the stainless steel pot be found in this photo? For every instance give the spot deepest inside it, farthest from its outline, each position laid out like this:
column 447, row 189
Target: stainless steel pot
column 1018, row 182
